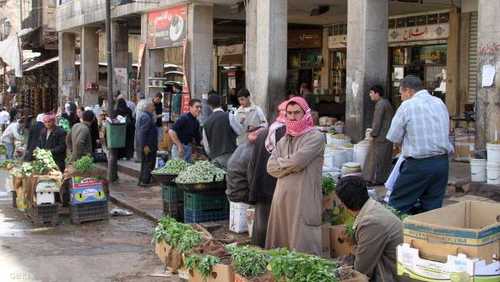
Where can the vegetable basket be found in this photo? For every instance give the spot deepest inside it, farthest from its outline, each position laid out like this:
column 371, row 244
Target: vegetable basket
column 165, row 179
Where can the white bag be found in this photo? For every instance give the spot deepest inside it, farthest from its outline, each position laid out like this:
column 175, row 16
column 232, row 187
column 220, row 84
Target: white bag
column 389, row 184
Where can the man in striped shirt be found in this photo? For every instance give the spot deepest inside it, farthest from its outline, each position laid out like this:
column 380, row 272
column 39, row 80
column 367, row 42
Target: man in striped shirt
column 421, row 126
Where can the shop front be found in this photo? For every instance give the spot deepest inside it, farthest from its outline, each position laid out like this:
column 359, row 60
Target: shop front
column 230, row 71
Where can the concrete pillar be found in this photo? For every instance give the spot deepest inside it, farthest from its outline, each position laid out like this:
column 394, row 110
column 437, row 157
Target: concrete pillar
column 89, row 65
column 144, row 39
column 325, row 69
column 367, row 33
column 271, row 53
column 200, row 38
column 488, row 100
column 453, row 62
column 251, row 45
column 67, row 79
column 119, row 32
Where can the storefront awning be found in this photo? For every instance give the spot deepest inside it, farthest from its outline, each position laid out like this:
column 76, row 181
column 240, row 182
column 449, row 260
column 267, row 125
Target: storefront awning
column 41, row 64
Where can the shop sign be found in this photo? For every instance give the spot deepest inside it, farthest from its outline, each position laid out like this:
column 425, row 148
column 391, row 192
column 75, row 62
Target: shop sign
column 417, row 33
column 298, row 39
column 236, row 49
column 337, row 41
column 167, row 28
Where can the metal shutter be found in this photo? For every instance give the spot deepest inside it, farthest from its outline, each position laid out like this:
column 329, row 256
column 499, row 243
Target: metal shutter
column 472, row 59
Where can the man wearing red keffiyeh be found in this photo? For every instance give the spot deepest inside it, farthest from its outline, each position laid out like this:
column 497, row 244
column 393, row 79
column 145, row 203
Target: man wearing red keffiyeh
column 297, row 161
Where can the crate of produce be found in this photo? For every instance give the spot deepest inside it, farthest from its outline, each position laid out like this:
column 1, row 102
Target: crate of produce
column 89, row 212
column 196, row 216
column 204, row 202
column 44, row 214
column 173, row 202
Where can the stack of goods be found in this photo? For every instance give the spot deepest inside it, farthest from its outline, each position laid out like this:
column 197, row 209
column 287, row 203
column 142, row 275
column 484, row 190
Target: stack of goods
column 459, row 242
column 338, row 151
column 88, row 201
column 180, row 246
column 204, row 197
column 173, row 197
column 493, row 163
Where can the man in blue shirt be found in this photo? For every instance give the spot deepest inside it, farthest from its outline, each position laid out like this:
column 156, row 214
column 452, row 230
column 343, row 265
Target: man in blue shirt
column 186, row 131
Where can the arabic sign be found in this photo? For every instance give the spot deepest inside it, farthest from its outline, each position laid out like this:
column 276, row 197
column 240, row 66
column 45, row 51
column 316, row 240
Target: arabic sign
column 337, row 41
column 167, row 28
column 416, row 33
column 304, row 39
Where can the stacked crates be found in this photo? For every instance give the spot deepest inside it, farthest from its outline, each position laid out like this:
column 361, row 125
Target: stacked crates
column 205, row 207
column 88, row 201
column 44, row 214
column 173, row 201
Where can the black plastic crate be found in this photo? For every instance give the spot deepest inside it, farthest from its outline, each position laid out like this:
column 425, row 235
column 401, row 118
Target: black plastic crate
column 44, row 214
column 89, row 212
column 14, row 199
column 174, row 210
column 171, row 194
column 203, row 202
column 196, row 216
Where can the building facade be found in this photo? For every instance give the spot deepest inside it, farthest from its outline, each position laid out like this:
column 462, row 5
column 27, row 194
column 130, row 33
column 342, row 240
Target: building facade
column 337, row 48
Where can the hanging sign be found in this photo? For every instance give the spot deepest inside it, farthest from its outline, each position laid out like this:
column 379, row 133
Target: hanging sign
column 167, row 28
column 416, row 33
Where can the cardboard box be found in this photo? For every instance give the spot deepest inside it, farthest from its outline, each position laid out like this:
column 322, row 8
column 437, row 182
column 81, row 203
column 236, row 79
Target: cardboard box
column 455, row 268
column 267, row 277
column 470, row 227
column 170, row 257
column 340, row 243
column 220, row 273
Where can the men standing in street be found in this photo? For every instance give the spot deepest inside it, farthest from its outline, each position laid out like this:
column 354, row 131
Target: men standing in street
column 377, row 231
column 80, row 139
column 147, row 141
column 220, row 131
column 379, row 160
column 297, row 161
column 53, row 138
column 10, row 135
column 261, row 184
column 157, row 100
column 421, row 126
column 249, row 115
column 186, row 131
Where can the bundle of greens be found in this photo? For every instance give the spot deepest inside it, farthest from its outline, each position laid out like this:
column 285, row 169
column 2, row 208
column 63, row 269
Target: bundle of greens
column 84, row 165
column 7, row 164
column 297, row 267
column 328, row 185
column 26, row 169
column 202, row 264
column 172, row 167
column 43, row 162
column 397, row 213
column 3, row 150
column 201, row 172
column 249, row 262
column 178, row 235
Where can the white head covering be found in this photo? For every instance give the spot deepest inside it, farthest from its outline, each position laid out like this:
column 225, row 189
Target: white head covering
column 39, row 117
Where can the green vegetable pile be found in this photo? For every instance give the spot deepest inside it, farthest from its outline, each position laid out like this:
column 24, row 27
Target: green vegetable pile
column 3, row 150
column 328, row 185
column 249, row 262
column 173, row 167
column 203, row 264
column 43, row 162
column 6, row 164
column 84, row 164
column 397, row 213
column 26, row 169
column 201, row 172
column 180, row 236
column 297, row 267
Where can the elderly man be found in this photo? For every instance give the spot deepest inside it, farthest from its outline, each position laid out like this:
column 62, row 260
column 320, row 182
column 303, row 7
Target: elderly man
column 421, row 125
column 377, row 231
column 53, row 138
column 147, row 141
column 80, row 139
column 296, row 162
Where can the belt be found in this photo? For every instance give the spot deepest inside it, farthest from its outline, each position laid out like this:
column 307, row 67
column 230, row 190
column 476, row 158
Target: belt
column 428, row 158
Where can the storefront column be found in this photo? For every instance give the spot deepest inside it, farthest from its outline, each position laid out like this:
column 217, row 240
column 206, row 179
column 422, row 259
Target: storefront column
column 325, row 68
column 488, row 100
column 143, row 63
column 251, row 45
column 200, row 37
column 271, row 53
column 119, row 31
column 453, row 62
column 89, row 65
column 66, row 76
column 367, row 53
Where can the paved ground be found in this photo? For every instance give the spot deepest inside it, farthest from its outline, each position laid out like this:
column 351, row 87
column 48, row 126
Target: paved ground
column 116, row 250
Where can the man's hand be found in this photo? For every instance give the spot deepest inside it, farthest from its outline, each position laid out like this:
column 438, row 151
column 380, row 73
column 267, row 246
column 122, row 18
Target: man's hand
column 147, row 150
column 181, row 151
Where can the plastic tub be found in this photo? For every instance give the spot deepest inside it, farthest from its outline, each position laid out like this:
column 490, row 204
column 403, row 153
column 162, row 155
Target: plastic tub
column 478, row 170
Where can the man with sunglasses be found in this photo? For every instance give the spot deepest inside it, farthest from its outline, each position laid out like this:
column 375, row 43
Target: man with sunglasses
column 186, row 131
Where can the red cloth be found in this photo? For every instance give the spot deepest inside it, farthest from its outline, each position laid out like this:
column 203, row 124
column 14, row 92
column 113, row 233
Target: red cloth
column 300, row 127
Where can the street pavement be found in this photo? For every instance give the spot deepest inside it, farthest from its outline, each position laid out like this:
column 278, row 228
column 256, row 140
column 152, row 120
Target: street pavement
column 118, row 249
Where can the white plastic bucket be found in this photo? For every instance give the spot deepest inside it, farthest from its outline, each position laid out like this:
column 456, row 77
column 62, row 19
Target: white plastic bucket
column 493, row 151
column 478, row 170
column 328, row 160
column 360, row 152
column 337, row 139
column 493, row 173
